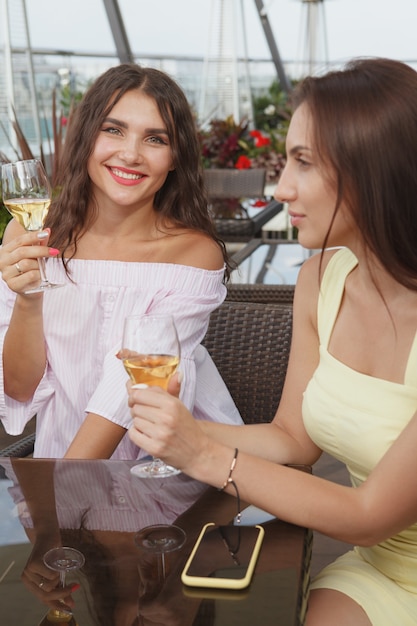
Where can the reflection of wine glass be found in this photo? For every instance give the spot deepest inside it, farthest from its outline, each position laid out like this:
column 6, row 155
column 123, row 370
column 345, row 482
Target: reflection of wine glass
column 151, row 354
column 58, row 617
column 62, row 560
column 160, row 539
column 27, row 196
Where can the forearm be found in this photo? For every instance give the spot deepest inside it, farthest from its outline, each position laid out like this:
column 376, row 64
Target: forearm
column 36, row 481
column 292, row 495
column 24, row 352
column 97, row 438
column 267, row 441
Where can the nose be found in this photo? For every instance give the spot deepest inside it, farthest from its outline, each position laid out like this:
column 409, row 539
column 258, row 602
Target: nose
column 285, row 189
column 130, row 152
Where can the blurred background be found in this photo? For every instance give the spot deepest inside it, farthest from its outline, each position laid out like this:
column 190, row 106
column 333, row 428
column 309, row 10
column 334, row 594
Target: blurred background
column 229, row 56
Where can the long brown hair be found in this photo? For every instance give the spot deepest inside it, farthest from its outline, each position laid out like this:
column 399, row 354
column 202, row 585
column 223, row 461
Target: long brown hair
column 182, row 198
column 365, row 128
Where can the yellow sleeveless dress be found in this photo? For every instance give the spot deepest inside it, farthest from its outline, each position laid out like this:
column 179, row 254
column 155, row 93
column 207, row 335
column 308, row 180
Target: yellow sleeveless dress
column 356, row 418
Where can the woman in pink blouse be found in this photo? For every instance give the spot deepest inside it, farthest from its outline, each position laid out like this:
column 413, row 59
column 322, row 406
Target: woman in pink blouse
column 134, row 236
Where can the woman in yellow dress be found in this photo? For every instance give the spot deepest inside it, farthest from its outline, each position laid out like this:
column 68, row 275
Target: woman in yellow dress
column 351, row 185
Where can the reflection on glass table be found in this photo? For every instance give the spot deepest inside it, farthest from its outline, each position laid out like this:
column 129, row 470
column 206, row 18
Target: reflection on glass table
column 98, row 507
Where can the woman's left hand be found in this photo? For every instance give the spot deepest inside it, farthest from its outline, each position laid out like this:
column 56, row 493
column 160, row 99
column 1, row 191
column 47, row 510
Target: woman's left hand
column 43, row 582
column 163, row 426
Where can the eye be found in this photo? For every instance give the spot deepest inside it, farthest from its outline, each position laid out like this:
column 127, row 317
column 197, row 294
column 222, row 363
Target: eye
column 158, row 140
column 111, row 130
column 302, row 162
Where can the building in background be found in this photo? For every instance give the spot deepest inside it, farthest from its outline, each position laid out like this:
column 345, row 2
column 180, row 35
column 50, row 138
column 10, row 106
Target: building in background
column 219, row 84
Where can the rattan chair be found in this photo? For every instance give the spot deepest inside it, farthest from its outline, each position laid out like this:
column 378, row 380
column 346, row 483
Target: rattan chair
column 250, row 344
column 20, row 448
column 268, row 294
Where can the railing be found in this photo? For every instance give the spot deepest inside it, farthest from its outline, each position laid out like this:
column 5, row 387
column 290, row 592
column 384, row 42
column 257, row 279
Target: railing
column 54, row 69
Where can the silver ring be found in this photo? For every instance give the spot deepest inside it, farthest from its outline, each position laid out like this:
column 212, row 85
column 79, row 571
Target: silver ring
column 17, row 266
column 41, row 584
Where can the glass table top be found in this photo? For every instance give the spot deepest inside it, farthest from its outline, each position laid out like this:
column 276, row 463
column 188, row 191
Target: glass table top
column 98, row 507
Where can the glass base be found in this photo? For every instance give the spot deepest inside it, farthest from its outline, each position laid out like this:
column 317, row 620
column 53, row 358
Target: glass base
column 58, row 617
column 44, row 287
column 160, row 538
column 154, row 469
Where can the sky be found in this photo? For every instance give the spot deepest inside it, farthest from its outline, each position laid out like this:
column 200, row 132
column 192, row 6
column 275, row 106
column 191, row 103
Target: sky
column 181, row 27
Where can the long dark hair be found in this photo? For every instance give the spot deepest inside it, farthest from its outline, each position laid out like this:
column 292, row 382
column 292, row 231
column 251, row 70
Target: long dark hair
column 182, row 199
column 365, row 128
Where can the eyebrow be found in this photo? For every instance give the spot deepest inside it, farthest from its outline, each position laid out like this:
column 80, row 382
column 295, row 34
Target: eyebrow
column 299, row 148
column 155, row 131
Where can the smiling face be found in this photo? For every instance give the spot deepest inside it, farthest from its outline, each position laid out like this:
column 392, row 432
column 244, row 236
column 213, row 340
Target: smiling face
column 306, row 185
column 132, row 155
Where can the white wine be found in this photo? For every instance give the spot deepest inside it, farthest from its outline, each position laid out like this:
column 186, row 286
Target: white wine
column 29, row 212
column 151, row 369
column 58, row 617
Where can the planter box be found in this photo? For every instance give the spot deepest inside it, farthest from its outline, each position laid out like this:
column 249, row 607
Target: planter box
column 247, row 228
column 228, row 183
column 227, row 190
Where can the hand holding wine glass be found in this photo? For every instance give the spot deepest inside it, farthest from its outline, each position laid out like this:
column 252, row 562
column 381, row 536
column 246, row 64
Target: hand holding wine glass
column 63, row 560
column 151, row 354
column 27, row 196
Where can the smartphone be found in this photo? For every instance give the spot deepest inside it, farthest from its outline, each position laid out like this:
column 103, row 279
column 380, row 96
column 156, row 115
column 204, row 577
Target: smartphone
column 223, row 557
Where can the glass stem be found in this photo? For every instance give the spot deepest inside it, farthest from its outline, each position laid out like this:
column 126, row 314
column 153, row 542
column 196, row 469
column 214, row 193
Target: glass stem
column 42, row 270
column 156, row 465
column 62, row 578
column 163, row 569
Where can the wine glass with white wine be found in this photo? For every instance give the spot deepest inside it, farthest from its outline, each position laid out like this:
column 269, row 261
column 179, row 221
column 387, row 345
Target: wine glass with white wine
column 151, row 355
column 157, row 542
column 63, row 560
column 27, row 196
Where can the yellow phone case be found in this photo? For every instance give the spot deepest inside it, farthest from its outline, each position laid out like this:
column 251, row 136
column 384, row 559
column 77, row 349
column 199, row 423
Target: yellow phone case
column 225, row 559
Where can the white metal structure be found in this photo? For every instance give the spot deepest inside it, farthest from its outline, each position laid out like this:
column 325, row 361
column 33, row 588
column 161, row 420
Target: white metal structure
column 226, row 84
column 17, row 93
column 315, row 55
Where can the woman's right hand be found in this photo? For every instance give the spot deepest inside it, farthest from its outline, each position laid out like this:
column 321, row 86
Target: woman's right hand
column 19, row 255
column 43, row 582
column 24, row 351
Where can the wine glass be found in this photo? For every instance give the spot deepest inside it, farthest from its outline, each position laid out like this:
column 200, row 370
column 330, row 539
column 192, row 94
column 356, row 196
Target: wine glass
column 151, row 354
column 160, row 539
column 27, row 196
column 63, row 559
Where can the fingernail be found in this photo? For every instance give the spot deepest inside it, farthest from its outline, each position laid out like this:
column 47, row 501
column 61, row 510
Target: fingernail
column 43, row 234
column 75, row 587
column 53, row 252
column 140, row 386
column 180, row 377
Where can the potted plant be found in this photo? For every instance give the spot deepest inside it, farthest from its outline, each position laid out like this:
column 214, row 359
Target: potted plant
column 238, row 162
column 226, row 144
column 50, row 161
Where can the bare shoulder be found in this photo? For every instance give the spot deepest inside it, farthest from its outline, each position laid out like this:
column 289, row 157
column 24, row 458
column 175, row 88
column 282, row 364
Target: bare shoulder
column 196, row 249
column 308, row 284
column 12, row 230
column 312, row 270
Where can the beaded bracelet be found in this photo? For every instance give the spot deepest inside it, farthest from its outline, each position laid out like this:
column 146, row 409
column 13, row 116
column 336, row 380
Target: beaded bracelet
column 230, row 481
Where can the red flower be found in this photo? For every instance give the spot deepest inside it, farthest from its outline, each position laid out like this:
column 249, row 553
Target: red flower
column 260, row 139
column 243, row 163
